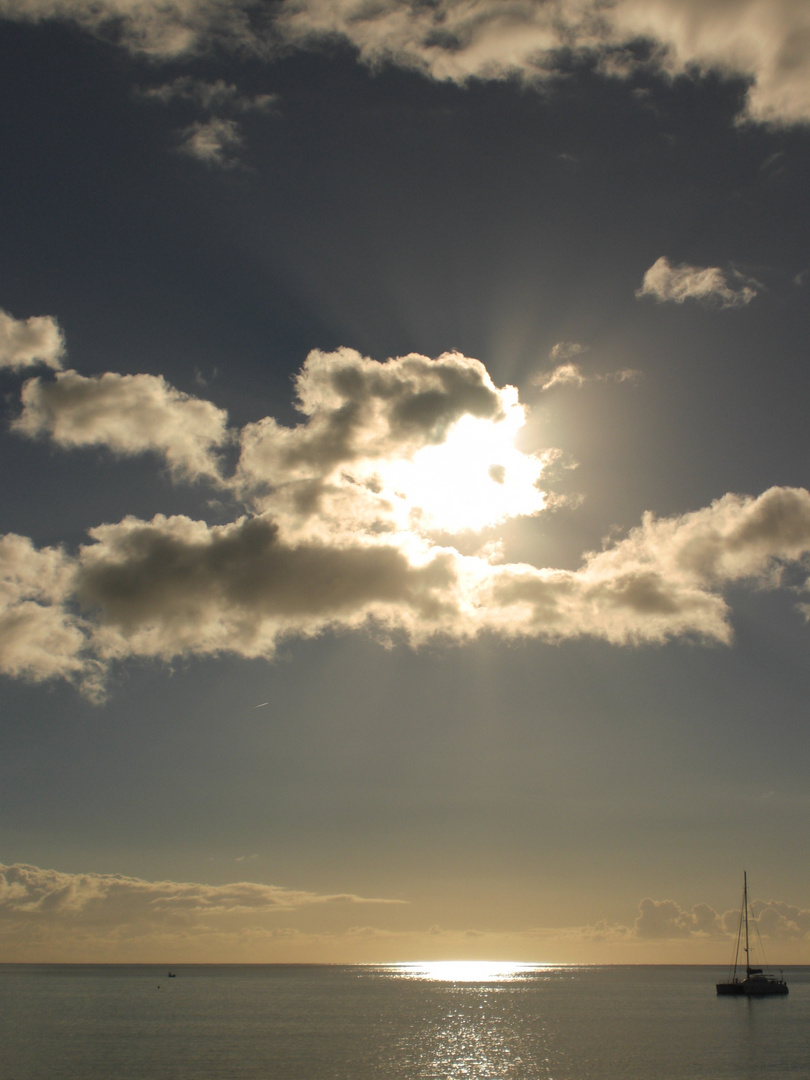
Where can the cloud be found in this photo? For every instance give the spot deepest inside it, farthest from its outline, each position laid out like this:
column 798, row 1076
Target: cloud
column 353, row 521
column 764, row 41
column 212, row 141
column 109, row 915
column 211, row 96
column 665, row 579
column 412, row 444
column 129, row 414
column 25, row 342
column 174, row 586
column 39, row 638
column 31, row 892
column 215, row 139
column 668, row 921
column 567, row 374
column 761, row 41
column 775, row 919
column 680, row 283
column 665, row 919
column 52, row 915
column 571, row 374
column 564, row 350
column 161, row 29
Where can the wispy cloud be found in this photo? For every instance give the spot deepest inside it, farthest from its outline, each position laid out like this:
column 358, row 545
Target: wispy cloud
column 216, row 139
column 564, row 350
column 160, row 29
column 728, row 289
column 212, row 141
column 567, row 372
column 212, row 96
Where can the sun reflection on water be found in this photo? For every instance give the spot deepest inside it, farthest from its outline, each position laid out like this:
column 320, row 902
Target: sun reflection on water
column 475, row 1020
column 465, row 971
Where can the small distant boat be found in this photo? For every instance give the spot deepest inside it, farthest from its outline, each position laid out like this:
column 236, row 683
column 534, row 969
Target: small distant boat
column 172, row 975
column 757, row 981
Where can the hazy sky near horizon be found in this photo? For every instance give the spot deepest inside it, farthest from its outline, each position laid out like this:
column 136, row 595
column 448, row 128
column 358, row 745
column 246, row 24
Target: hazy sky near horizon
column 405, row 533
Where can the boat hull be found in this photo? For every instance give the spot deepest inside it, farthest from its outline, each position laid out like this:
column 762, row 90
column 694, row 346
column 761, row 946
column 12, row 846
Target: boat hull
column 752, row 988
column 759, row 987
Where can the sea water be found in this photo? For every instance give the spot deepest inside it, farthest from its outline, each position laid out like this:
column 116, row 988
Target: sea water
column 420, row 1022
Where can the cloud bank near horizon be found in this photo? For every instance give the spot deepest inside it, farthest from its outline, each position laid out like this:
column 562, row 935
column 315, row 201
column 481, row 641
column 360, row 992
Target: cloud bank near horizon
column 760, row 41
column 45, row 911
column 380, row 511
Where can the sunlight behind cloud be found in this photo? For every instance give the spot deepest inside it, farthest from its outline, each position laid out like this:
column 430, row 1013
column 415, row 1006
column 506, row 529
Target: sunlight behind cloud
column 475, row 478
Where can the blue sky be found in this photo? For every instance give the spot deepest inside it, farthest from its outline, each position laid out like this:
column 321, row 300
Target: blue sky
column 405, row 528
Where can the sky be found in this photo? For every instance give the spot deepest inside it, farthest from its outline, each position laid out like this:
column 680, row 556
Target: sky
column 405, row 541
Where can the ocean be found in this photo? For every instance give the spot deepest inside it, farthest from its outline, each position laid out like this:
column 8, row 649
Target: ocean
column 395, row 1022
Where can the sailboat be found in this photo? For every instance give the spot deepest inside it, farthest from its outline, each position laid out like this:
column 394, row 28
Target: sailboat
column 757, row 982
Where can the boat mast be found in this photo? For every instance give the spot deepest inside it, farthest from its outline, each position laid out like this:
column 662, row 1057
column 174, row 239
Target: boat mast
column 745, row 909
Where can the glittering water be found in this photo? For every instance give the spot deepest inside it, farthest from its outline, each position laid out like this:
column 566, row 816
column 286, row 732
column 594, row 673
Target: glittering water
column 422, row 1022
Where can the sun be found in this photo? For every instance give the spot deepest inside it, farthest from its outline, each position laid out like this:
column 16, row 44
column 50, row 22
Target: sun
column 476, row 478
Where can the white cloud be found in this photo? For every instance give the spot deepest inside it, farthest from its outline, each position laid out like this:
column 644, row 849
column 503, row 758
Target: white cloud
column 709, row 283
column 25, row 342
column 129, row 414
column 212, row 141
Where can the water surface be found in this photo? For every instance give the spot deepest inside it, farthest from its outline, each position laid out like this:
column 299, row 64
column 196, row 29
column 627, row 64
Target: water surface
column 421, row 1022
